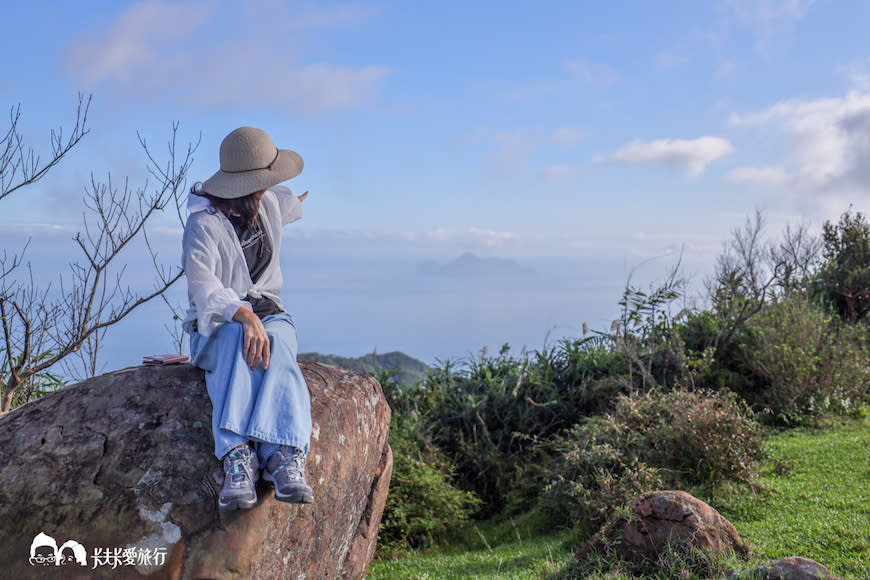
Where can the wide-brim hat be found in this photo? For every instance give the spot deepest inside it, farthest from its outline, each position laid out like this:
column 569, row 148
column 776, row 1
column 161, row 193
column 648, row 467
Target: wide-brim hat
column 250, row 161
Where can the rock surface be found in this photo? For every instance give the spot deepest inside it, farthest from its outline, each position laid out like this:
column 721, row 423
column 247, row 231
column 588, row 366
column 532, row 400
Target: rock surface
column 789, row 569
column 662, row 517
column 123, row 466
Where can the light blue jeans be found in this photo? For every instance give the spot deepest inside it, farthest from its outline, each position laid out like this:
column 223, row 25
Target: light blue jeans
column 270, row 408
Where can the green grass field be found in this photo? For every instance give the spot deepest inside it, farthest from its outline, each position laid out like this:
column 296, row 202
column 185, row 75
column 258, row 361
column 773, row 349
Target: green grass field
column 812, row 500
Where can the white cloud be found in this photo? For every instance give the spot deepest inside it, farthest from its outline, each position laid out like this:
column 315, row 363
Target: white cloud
column 595, row 75
column 512, row 151
column 413, row 241
column 559, row 173
column 858, row 74
column 829, row 140
column 769, row 20
column 693, row 155
column 132, row 51
column 766, row 12
column 669, row 60
column 726, row 68
column 771, row 176
column 567, row 136
column 170, row 51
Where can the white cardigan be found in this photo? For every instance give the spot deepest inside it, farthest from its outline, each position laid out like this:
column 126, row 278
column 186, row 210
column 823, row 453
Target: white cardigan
column 216, row 270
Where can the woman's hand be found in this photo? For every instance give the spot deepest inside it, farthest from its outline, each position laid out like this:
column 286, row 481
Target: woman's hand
column 302, row 197
column 256, row 345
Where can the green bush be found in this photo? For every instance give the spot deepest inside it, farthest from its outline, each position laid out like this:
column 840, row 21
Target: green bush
column 593, row 475
column 487, row 415
column 677, row 439
column 814, row 364
column 423, row 505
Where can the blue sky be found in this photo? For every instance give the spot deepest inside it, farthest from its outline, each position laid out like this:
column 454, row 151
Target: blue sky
column 584, row 140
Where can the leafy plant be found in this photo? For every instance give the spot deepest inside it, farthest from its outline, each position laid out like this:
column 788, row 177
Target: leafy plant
column 423, row 505
column 676, row 439
column 844, row 277
column 487, row 414
column 812, row 362
column 37, row 385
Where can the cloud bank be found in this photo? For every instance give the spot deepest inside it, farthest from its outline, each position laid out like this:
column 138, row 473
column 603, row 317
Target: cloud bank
column 693, row 155
column 829, row 144
column 169, row 51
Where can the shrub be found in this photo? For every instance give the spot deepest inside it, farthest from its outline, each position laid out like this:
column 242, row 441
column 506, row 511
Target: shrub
column 677, row 439
column 423, row 504
column 487, row 414
column 813, row 363
column 593, row 475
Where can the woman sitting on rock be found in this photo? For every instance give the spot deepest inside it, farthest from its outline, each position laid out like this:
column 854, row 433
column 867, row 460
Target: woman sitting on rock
column 239, row 331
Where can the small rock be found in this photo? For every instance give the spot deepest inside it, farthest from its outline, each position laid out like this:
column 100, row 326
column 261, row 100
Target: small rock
column 661, row 518
column 787, row 569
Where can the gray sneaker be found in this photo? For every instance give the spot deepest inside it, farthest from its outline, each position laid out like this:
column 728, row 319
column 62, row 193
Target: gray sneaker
column 286, row 469
column 241, row 468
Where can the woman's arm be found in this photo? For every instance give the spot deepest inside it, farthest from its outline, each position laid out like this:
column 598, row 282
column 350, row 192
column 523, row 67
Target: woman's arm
column 289, row 203
column 214, row 303
column 256, row 340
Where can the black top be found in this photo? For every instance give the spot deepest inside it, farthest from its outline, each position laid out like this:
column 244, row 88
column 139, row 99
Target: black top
column 257, row 248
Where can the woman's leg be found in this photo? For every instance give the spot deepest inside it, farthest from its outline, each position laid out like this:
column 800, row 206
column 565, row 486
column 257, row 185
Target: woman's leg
column 281, row 414
column 228, row 380
column 270, row 407
column 283, row 458
column 218, row 356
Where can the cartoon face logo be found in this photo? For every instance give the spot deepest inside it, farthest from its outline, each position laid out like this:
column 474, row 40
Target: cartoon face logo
column 44, row 551
column 71, row 551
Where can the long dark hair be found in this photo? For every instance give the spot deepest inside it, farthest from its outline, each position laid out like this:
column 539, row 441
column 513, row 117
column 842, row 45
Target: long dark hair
column 239, row 209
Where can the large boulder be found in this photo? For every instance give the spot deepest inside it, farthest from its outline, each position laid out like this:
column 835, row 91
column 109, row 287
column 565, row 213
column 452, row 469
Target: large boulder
column 659, row 519
column 118, row 471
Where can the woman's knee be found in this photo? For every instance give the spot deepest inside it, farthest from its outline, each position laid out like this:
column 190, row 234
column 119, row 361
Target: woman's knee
column 282, row 338
column 230, row 331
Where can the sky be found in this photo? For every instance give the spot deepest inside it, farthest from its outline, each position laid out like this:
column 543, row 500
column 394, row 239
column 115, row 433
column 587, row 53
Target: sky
column 567, row 146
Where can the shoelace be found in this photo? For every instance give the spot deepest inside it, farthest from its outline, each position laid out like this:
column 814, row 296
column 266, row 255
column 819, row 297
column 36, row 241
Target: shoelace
column 294, row 466
column 238, row 471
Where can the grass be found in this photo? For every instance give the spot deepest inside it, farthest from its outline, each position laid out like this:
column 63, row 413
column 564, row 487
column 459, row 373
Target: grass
column 811, row 501
column 529, row 559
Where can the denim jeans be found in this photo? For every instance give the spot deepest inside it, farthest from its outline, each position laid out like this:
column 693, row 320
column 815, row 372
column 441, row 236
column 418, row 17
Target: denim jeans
column 270, row 408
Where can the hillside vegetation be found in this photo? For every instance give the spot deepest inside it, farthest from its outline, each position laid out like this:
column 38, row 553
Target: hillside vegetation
column 403, row 368
column 669, row 397
column 797, row 508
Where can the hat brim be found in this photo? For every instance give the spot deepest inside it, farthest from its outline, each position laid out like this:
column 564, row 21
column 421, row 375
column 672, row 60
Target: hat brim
column 225, row 185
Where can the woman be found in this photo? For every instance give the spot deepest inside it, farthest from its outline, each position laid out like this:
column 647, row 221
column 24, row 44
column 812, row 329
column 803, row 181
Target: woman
column 239, row 332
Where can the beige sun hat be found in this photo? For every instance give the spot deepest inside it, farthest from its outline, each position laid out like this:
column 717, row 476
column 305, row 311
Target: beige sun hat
column 250, row 161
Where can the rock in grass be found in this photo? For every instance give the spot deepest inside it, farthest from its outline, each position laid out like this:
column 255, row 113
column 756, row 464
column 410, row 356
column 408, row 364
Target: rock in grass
column 120, row 469
column 659, row 522
column 787, row 569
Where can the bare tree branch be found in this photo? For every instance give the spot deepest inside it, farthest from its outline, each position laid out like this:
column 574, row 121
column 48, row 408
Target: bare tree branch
column 20, row 166
column 42, row 328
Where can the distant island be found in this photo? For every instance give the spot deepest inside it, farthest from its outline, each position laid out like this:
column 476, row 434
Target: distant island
column 471, row 265
column 408, row 369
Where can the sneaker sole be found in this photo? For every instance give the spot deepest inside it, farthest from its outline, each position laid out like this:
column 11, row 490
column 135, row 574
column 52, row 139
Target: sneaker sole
column 237, row 503
column 300, row 494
